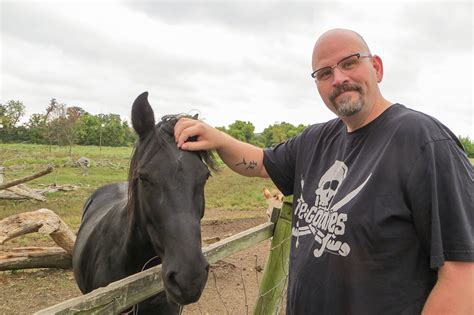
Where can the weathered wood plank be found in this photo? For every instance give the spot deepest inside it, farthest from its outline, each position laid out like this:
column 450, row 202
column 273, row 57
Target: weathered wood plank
column 35, row 257
column 120, row 295
column 274, row 278
column 26, row 179
column 238, row 242
column 23, row 191
column 42, row 221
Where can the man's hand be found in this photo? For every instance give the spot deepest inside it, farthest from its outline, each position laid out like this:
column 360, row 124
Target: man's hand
column 241, row 157
column 208, row 138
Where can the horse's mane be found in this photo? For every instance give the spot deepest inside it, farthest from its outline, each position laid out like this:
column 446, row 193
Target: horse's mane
column 146, row 148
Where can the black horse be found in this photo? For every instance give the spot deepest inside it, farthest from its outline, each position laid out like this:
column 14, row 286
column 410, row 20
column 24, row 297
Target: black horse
column 152, row 219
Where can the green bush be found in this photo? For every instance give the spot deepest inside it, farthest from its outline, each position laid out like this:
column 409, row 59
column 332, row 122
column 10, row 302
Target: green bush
column 468, row 146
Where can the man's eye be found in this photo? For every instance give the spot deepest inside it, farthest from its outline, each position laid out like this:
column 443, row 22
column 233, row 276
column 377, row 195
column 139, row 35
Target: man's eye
column 324, row 74
column 348, row 64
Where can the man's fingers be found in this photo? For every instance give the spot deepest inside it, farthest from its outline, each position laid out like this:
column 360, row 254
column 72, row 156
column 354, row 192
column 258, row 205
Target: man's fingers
column 194, row 146
column 186, row 128
column 182, row 124
column 190, row 131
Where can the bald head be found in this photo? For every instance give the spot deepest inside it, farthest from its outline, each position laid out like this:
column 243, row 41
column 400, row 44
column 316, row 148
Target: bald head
column 343, row 34
column 338, row 39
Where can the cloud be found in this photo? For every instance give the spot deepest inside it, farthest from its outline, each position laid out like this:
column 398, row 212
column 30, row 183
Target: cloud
column 230, row 60
column 246, row 17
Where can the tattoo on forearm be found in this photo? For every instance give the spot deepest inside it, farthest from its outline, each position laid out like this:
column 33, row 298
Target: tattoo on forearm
column 248, row 165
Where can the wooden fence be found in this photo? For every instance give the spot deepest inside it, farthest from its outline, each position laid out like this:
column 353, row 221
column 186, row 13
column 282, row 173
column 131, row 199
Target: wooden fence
column 120, row 295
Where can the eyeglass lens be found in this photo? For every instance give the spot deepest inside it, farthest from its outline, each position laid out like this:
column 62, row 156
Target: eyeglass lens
column 346, row 64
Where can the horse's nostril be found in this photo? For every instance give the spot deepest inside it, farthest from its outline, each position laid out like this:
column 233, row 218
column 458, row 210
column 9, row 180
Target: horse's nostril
column 171, row 277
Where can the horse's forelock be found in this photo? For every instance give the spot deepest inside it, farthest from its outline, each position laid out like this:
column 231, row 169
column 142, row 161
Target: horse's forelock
column 167, row 124
column 146, row 148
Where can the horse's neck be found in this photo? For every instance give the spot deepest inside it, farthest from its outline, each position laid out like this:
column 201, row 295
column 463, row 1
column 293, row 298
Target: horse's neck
column 138, row 245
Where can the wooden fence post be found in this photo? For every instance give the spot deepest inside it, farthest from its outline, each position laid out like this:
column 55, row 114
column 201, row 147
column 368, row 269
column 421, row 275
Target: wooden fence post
column 275, row 276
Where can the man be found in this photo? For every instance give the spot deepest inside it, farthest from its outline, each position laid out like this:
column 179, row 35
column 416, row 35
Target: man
column 383, row 196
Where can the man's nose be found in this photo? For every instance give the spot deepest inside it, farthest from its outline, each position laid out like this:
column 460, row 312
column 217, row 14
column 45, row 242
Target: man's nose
column 339, row 77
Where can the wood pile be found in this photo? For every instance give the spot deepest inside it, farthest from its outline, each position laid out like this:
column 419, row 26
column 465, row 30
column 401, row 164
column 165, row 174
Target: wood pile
column 42, row 221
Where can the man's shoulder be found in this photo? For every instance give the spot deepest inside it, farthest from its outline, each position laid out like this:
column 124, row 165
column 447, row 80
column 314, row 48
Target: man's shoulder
column 408, row 115
column 332, row 126
column 418, row 125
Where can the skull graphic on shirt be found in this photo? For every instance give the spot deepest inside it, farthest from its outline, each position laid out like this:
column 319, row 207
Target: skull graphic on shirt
column 329, row 184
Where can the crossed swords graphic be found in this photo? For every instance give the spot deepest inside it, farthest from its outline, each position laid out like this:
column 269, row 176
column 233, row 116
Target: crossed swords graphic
column 310, row 229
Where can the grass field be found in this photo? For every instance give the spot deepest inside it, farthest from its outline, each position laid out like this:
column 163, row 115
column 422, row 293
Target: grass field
column 225, row 190
column 234, row 196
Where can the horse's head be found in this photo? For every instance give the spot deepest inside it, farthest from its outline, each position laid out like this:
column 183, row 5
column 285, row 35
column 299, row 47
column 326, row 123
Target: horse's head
column 166, row 193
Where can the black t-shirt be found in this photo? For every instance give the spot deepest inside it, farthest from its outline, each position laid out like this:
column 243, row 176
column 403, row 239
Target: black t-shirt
column 375, row 212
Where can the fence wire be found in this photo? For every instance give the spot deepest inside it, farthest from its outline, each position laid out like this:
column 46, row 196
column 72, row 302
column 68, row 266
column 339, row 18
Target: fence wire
column 233, row 283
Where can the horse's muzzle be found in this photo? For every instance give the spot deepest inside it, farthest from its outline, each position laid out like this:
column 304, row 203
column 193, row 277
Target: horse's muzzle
column 185, row 286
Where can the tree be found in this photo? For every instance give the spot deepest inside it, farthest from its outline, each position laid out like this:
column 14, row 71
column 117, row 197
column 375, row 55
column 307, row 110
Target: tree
column 468, row 145
column 49, row 119
column 61, row 123
column 88, row 129
column 242, row 130
column 69, row 123
column 280, row 132
column 10, row 115
column 130, row 135
column 104, row 129
column 223, row 129
column 37, row 129
column 113, row 133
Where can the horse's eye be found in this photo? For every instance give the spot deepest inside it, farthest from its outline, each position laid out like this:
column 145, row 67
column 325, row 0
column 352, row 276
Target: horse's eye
column 144, row 177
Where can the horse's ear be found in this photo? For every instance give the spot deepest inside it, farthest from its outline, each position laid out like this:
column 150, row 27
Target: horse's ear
column 196, row 116
column 143, row 119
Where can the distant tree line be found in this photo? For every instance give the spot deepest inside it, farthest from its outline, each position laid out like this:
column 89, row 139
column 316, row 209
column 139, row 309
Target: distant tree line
column 272, row 135
column 63, row 125
column 70, row 125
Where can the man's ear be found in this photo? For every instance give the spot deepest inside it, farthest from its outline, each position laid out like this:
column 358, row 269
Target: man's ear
column 378, row 66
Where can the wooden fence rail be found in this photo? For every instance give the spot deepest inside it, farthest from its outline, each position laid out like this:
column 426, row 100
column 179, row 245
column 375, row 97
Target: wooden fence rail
column 120, row 295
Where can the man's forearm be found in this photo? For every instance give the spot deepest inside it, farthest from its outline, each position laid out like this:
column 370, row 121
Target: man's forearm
column 454, row 290
column 243, row 158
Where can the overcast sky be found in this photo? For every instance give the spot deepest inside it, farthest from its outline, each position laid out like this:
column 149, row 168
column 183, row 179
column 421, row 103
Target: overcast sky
column 230, row 60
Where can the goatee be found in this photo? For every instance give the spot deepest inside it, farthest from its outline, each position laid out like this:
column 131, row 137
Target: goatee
column 345, row 106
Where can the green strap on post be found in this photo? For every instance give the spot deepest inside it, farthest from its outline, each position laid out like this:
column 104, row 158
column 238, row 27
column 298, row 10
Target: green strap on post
column 275, row 277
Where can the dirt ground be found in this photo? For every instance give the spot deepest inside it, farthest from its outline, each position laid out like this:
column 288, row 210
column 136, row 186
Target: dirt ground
column 232, row 286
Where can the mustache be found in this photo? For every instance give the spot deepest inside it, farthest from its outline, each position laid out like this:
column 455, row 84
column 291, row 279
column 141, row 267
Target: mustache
column 344, row 88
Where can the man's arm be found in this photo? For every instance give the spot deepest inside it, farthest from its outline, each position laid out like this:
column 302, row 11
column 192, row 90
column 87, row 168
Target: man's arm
column 454, row 290
column 241, row 157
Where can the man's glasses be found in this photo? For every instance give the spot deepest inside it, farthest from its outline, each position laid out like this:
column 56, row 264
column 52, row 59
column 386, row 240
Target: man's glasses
column 345, row 65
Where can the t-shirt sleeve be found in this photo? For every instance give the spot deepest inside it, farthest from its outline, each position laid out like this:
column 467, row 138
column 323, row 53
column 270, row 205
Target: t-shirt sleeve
column 440, row 189
column 280, row 163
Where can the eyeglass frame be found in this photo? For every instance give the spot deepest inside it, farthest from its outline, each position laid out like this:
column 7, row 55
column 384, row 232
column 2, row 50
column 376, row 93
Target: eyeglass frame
column 359, row 55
